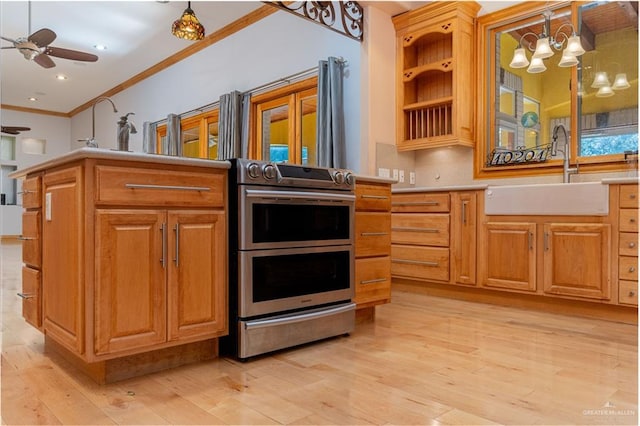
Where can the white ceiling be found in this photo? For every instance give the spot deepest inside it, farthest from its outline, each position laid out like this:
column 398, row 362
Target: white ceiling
column 137, row 35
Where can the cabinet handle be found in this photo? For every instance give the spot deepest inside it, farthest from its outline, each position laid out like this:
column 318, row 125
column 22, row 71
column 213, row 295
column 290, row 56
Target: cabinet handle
column 376, row 280
column 546, row 241
column 632, row 293
column 21, row 238
column 632, row 268
column 373, row 234
column 375, row 197
column 415, row 262
column 632, row 220
column 417, row 203
column 177, row 230
column 632, row 196
column 164, row 249
column 632, row 245
column 530, row 240
column 464, row 212
column 177, row 188
column 410, row 229
column 26, row 191
column 26, row 296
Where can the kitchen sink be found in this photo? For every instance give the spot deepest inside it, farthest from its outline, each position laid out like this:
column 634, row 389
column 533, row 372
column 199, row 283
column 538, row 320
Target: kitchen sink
column 576, row 199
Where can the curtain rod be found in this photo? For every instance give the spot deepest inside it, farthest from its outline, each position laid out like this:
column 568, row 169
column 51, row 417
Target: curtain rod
column 286, row 79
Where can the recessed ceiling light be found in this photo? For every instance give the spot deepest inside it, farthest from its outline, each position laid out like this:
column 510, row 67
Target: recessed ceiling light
column 100, row 47
column 61, row 77
column 32, row 99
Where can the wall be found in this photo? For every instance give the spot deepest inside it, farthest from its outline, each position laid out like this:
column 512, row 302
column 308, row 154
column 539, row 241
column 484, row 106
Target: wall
column 264, row 52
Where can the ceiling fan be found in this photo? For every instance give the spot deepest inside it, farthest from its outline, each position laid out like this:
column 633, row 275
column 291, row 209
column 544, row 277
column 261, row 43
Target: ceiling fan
column 36, row 47
column 14, row 130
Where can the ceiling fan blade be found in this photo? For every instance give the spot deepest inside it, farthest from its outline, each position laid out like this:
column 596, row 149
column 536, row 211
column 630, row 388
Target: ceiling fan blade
column 10, row 40
column 44, row 61
column 42, row 37
column 7, row 47
column 74, row 55
column 14, row 130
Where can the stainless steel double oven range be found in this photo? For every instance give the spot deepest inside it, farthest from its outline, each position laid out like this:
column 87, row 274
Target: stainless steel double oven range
column 291, row 256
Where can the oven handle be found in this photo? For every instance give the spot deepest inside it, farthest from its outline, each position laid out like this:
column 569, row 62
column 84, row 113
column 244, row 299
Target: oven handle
column 261, row 323
column 298, row 195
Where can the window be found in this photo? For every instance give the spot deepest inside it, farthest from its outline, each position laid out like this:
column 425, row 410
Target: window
column 198, row 136
column 284, row 124
column 519, row 109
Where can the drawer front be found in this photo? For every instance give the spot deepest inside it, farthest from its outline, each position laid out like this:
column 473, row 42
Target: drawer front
column 421, row 203
column 628, row 292
column 373, row 280
column 122, row 185
column 628, row 244
column 628, row 268
column 629, row 196
column 32, row 192
column 629, row 220
column 372, row 197
column 373, row 234
column 420, row 229
column 428, row 263
column 31, row 239
column 31, row 308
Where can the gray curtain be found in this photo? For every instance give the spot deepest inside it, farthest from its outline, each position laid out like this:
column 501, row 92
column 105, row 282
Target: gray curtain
column 233, row 126
column 330, row 139
column 149, row 140
column 172, row 144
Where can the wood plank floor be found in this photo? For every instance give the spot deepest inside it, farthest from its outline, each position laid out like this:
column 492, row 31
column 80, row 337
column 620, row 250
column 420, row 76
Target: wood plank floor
column 425, row 360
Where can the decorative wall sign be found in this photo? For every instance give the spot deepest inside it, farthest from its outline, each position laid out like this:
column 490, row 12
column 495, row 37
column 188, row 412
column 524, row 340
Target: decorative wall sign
column 529, row 119
column 520, row 155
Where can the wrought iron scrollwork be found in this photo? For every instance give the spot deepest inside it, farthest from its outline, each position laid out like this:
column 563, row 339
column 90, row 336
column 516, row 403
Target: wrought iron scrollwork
column 342, row 17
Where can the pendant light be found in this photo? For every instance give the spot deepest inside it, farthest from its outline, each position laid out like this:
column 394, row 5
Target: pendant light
column 620, row 82
column 188, row 27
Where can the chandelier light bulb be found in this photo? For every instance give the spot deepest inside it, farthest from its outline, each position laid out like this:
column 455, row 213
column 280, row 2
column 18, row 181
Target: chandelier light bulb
column 604, row 92
column 543, row 49
column 537, row 66
column 568, row 59
column 601, row 79
column 620, row 82
column 574, row 46
column 519, row 58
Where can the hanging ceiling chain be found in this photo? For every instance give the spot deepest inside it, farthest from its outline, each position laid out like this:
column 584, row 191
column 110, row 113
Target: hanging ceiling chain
column 344, row 17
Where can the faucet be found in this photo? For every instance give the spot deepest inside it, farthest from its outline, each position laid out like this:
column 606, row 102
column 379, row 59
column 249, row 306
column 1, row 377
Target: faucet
column 566, row 170
column 124, row 128
column 92, row 142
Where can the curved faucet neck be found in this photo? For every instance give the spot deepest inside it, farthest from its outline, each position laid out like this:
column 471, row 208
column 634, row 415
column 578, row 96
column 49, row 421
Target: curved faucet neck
column 93, row 113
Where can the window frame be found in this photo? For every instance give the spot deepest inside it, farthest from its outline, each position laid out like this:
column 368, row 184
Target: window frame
column 200, row 121
column 486, row 28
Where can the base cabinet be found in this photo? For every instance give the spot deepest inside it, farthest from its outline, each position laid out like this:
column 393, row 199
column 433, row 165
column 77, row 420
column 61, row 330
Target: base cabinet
column 134, row 258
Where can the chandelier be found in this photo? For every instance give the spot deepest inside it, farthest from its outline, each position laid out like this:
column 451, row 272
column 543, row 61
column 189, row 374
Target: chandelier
column 188, row 27
column 545, row 44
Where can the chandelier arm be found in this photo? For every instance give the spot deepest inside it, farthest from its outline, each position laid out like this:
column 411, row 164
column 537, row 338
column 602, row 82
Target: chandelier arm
column 529, row 45
column 558, row 44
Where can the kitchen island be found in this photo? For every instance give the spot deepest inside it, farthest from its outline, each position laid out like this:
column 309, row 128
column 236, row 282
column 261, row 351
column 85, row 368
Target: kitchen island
column 125, row 259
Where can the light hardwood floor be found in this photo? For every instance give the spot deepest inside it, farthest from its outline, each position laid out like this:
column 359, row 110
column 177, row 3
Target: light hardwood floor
column 425, row 360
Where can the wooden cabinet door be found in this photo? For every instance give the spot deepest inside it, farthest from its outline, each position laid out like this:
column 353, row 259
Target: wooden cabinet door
column 62, row 255
column 130, row 292
column 509, row 255
column 577, row 259
column 197, row 265
column 463, row 244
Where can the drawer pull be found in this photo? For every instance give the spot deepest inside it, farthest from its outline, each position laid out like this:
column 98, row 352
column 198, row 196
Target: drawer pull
column 409, row 229
column 21, row 238
column 632, row 245
column 632, row 269
column 415, row 262
column 376, row 280
column 26, row 296
column 632, row 293
column 373, row 234
column 632, row 196
column 26, row 191
column 177, row 188
column 375, row 197
column 417, row 203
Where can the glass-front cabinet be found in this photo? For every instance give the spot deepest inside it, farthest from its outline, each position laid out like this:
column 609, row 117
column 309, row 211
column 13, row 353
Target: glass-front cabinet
column 551, row 68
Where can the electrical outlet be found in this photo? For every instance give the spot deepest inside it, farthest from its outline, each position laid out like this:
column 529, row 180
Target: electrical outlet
column 382, row 172
column 412, row 178
column 401, row 176
column 395, row 174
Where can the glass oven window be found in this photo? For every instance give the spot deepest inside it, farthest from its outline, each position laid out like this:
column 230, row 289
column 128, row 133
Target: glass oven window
column 281, row 276
column 299, row 222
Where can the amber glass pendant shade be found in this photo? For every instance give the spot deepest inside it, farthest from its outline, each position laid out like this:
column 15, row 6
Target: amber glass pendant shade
column 188, row 27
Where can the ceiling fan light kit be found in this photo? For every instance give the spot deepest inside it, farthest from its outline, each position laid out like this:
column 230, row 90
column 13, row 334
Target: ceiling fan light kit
column 188, row 27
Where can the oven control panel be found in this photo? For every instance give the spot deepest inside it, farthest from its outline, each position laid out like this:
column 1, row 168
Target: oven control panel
column 254, row 172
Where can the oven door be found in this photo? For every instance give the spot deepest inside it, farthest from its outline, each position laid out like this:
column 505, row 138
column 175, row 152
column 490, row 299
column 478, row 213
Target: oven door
column 272, row 281
column 282, row 218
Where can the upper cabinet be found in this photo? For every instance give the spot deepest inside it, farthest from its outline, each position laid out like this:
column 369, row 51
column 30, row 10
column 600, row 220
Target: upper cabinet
column 435, row 75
